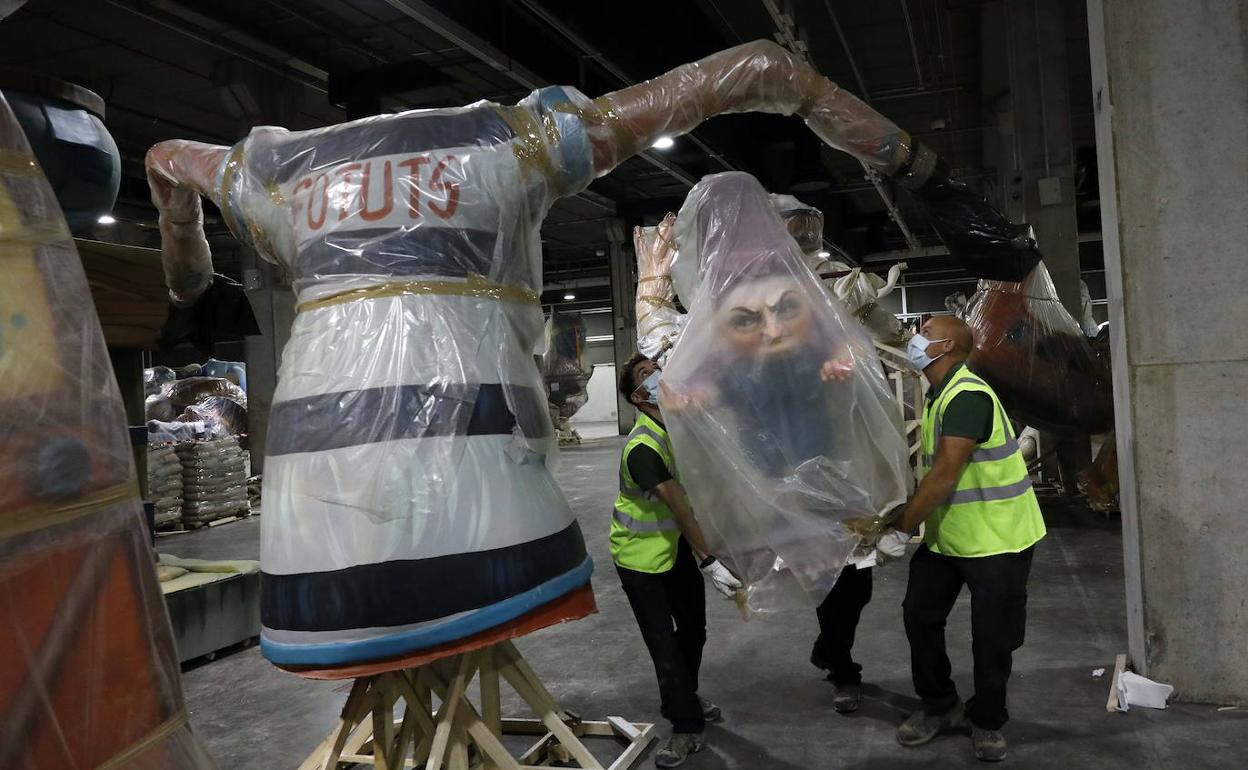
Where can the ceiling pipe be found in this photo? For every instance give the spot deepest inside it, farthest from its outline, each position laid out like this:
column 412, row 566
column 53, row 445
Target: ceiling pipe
column 914, row 49
column 295, row 69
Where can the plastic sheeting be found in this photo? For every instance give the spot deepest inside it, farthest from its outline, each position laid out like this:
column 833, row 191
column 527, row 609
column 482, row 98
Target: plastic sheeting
column 1033, row 353
column 780, row 414
column 1027, row 345
column 659, row 321
column 408, row 432
column 564, row 369
column 89, row 675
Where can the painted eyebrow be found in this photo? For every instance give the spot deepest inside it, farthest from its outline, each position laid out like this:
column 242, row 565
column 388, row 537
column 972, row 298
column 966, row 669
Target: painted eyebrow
column 783, row 297
column 744, row 310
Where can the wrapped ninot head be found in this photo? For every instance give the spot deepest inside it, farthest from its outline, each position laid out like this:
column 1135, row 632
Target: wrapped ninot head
column 784, row 431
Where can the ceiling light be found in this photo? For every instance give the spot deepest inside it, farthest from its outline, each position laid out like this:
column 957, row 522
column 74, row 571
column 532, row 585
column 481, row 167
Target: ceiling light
column 825, row 253
column 663, row 143
column 569, row 296
column 106, row 219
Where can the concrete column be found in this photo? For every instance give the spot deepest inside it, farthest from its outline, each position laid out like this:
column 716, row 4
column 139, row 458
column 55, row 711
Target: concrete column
column 274, row 305
column 1170, row 90
column 623, row 311
column 1025, row 89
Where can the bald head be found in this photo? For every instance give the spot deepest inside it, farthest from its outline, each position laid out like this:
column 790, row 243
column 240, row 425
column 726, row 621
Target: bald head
column 948, row 327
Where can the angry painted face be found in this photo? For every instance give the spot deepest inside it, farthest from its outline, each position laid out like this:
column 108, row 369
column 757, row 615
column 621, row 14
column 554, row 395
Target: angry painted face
column 765, row 317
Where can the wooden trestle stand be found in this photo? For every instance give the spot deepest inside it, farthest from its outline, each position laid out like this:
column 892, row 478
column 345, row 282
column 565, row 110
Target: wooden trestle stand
column 374, row 730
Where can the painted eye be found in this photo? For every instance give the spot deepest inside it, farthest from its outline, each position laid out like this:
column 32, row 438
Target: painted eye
column 744, row 322
column 789, row 307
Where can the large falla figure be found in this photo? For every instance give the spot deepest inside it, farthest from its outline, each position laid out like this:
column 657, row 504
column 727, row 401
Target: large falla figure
column 408, row 507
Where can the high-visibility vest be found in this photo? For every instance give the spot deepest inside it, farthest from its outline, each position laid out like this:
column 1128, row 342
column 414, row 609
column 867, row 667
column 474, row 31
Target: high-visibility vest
column 992, row 509
column 644, row 532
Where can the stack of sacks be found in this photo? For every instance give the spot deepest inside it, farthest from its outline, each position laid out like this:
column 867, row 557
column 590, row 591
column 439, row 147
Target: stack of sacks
column 214, row 479
column 164, row 483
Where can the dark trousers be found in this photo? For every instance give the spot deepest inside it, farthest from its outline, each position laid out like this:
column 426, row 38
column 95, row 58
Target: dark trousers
column 838, row 622
column 998, row 586
column 670, row 608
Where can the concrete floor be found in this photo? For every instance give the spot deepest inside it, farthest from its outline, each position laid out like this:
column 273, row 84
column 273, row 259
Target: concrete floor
column 777, row 707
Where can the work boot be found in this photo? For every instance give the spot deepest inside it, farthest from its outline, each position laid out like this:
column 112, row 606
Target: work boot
column 920, row 727
column 847, row 698
column 678, row 749
column 989, row 744
column 710, row 712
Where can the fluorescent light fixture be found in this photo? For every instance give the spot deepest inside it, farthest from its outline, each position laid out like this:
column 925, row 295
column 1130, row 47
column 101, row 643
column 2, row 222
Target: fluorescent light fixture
column 569, row 296
column 663, row 143
column 600, row 338
column 107, row 219
column 825, row 253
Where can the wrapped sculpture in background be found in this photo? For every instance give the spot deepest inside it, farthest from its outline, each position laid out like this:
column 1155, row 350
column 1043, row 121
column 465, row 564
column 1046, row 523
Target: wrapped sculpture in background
column 408, row 431
column 789, row 443
column 659, row 321
column 89, row 677
column 565, row 371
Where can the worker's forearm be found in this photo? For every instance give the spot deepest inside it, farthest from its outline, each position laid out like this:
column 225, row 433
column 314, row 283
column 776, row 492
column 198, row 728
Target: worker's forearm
column 933, row 490
column 691, row 530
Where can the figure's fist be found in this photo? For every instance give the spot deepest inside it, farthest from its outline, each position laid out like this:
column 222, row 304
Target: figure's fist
column 675, row 401
column 838, row 369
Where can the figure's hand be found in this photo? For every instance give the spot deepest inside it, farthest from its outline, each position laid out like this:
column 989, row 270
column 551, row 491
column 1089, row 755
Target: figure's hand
column 721, row 578
column 675, row 401
column 836, row 369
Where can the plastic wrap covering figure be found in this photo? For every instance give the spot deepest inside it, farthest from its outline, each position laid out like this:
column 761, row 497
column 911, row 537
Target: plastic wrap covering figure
column 859, row 292
column 563, row 365
column 1027, row 345
column 778, row 408
column 408, row 432
column 659, row 321
column 89, row 676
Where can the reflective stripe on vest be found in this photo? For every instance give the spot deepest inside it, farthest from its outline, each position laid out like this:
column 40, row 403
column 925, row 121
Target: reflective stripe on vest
column 644, row 531
column 993, row 508
column 636, row 525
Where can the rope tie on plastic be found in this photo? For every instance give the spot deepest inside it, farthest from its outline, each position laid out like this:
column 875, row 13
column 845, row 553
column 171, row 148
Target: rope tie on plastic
column 162, row 731
column 476, row 286
column 656, row 301
column 232, row 165
column 50, row 514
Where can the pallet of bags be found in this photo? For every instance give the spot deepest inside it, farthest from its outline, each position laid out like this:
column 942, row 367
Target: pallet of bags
column 214, row 480
column 164, row 483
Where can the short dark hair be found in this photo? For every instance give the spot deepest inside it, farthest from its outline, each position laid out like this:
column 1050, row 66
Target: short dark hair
column 628, row 380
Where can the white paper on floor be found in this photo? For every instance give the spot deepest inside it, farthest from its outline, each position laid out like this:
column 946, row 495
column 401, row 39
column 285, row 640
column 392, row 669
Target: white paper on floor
column 1097, row 673
column 1136, row 690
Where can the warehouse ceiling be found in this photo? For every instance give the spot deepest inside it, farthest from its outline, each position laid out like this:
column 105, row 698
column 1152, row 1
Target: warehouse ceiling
column 211, row 70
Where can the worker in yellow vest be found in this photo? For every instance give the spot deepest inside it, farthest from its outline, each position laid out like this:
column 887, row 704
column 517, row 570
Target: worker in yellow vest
column 658, row 549
column 983, row 522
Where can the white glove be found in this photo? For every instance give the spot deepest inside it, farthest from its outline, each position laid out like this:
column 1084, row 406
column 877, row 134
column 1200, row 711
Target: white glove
column 893, row 544
column 723, row 580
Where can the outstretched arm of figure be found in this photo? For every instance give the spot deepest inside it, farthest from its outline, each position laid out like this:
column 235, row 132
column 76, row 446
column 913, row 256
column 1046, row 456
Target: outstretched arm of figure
column 763, row 77
column 179, row 172
column 754, row 77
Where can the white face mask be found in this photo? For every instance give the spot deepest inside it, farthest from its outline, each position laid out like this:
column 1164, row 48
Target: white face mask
column 651, row 386
column 916, row 351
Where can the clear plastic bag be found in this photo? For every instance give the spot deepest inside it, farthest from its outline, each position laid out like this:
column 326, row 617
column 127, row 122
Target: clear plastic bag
column 783, row 426
column 90, row 677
